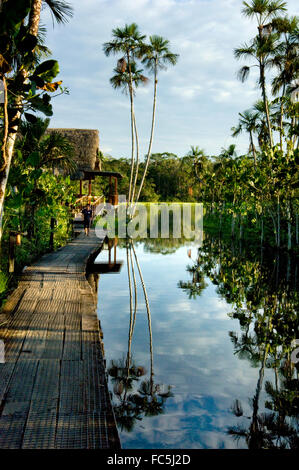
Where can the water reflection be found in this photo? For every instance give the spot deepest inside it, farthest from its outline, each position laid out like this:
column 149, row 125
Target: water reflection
column 133, row 398
column 264, row 296
column 197, row 284
column 221, row 329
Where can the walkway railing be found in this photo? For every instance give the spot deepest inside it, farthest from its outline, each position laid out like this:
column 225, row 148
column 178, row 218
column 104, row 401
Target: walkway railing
column 93, row 201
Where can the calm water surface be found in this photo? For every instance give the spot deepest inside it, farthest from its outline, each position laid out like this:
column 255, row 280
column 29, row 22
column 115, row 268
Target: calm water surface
column 197, row 377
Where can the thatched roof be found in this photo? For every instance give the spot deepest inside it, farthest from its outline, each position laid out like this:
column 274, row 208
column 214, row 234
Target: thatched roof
column 86, row 145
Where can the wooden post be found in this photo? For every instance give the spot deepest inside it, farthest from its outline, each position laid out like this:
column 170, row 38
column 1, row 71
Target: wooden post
column 81, row 192
column 89, row 191
column 11, row 252
column 115, row 199
column 110, row 198
column 109, row 255
column 52, row 226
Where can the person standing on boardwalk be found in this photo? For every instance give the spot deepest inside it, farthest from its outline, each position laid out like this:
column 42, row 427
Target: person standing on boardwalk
column 87, row 214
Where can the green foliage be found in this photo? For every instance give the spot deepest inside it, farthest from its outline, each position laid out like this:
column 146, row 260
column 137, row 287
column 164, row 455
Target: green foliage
column 19, row 57
column 36, row 193
column 3, row 282
column 11, row 16
column 47, row 70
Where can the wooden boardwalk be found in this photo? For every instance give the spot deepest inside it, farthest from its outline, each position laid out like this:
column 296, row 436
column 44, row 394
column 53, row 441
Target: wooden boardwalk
column 53, row 389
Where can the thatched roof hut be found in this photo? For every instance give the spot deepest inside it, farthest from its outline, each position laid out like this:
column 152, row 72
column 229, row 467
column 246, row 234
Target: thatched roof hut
column 86, row 145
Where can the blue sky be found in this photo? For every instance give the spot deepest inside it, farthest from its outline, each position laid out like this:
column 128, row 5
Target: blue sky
column 198, row 100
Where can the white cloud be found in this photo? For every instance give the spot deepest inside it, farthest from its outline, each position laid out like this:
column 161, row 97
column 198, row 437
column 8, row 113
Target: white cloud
column 187, row 92
column 198, row 100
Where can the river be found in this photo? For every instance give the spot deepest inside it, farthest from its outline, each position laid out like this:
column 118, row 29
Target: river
column 203, row 359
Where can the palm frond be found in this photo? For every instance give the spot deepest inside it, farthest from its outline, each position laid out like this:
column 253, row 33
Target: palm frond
column 246, row 51
column 237, row 408
column 61, row 11
column 243, row 73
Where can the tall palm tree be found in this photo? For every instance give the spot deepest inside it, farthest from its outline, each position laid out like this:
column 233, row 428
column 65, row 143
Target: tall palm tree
column 248, row 121
column 285, row 61
column 263, row 46
column 129, row 42
column 200, row 160
column 157, row 57
column 122, row 79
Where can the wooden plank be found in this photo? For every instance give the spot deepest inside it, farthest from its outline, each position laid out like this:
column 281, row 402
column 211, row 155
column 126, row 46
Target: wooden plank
column 53, row 389
column 21, row 386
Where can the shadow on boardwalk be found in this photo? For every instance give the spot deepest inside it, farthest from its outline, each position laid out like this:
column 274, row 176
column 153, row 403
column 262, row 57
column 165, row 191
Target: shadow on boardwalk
column 53, row 389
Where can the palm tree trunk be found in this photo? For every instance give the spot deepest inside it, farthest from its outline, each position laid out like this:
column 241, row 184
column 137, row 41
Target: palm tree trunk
column 264, row 94
column 233, row 226
column 135, row 294
column 253, row 148
column 278, row 222
column 9, row 148
column 241, row 227
column 132, row 130
column 152, row 135
column 148, row 317
column 254, row 442
column 137, row 160
column 262, row 230
column 289, row 225
column 5, row 123
column 274, row 226
column 34, row 17
column 131, row 315
column 281, row 120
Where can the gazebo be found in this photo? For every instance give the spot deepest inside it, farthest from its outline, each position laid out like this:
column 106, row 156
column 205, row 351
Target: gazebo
column 86, row 144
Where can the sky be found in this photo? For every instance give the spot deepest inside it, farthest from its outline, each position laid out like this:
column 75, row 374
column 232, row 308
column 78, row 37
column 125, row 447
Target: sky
column 198, row 100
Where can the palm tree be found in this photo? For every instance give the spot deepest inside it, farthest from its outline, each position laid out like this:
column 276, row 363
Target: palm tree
column 263, row 46
column 157, row 57
column 262, row 130
column 61, row 11
column 129, row 42
column 248, row 121
column 285, row 61
column 122, row 79
column 228, row 153
column 200, row 160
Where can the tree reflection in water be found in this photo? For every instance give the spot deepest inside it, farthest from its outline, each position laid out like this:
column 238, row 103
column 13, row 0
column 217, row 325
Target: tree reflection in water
column 197, row 284
column 263, row 291
column 133, row 398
